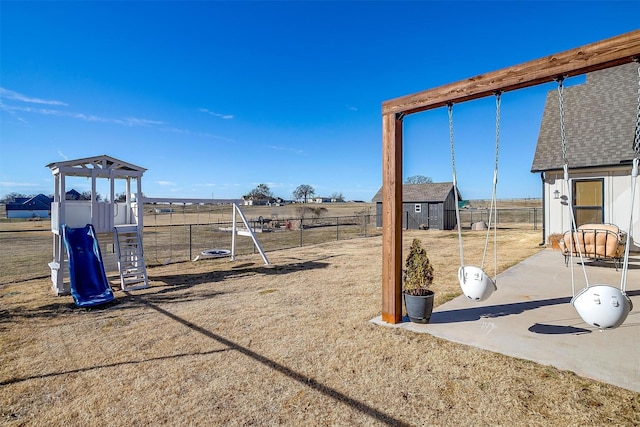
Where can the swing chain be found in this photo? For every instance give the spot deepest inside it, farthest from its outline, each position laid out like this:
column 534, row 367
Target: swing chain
column 455, row 182
column 636, row 144
column 453, row 160
column 563, row 137
column 498, row 101
column 634, row 174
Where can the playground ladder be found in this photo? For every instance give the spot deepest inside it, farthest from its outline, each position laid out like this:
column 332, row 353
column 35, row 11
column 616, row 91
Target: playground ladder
column 133, row 272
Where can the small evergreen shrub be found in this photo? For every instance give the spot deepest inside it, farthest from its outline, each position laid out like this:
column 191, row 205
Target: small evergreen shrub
column 418, row 275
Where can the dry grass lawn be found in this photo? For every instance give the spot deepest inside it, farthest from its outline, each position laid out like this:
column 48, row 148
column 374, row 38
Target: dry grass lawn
column 219, row 343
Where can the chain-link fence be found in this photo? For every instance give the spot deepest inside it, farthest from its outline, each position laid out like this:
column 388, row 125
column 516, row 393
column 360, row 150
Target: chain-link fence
column 175, row 243
column 523, row 216
column 527, row 217
column 26, row 253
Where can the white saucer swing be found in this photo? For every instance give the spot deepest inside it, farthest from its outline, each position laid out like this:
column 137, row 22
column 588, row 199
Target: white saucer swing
column 475, row 283
column 603, row 306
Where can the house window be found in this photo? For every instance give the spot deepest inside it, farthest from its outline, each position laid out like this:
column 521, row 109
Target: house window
column 418, row 208
column 588, row 201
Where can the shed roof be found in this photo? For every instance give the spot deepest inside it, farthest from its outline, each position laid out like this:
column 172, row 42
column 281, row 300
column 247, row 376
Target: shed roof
column 600, row 121
column 431, row 192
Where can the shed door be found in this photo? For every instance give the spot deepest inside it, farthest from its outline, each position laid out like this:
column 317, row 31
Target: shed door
column 434, row 217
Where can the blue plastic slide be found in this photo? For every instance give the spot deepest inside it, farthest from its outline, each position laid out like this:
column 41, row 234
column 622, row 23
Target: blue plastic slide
column 89, row 285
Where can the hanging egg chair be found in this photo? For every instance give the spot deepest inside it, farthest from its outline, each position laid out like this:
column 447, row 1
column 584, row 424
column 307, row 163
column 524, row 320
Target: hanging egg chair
column 475, row 283
column 602, row 306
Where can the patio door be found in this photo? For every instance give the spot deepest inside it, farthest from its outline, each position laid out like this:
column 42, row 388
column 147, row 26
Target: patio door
column 588, row 201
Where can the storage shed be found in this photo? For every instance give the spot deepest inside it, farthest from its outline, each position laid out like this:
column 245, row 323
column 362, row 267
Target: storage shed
column 429, row 206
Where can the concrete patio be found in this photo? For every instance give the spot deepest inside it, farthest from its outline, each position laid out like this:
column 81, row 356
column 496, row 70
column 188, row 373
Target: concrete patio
column 530, row 316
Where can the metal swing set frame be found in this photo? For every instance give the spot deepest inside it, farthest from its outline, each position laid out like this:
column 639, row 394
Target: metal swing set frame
column 603, row 54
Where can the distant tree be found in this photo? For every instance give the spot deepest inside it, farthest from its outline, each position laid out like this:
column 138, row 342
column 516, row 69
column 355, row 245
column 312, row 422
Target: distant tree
column 121, row 197
column 319, row 211
column 303, row 191
column 418, row 179
column 338, row 197
column 261, row 192
column 11, row 197
column 86, row 195
column 302, row 211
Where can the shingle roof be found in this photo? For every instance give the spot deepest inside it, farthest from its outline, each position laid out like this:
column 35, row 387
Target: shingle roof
column 432, row 192
column 600, row 121
column 39, row 202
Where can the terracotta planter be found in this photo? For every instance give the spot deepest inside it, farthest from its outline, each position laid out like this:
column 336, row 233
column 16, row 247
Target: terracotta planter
column 419, row 308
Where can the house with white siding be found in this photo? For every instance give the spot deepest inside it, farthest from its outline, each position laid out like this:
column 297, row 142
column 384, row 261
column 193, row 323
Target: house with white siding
column 600, row 118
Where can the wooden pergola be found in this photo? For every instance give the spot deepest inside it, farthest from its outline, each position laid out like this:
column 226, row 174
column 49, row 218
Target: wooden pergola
column 596, row 56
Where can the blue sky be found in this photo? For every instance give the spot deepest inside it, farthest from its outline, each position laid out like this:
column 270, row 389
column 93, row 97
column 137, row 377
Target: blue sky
column 214, row 98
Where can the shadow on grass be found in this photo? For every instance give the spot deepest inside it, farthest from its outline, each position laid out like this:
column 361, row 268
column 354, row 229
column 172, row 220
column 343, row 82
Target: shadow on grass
column 67, row 308
column 177, row 289
column 109, row 365
column 11, row 313
column 184, row 279
column 300, row 378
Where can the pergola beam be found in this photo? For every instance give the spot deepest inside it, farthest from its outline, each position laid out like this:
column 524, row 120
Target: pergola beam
column 596, row 56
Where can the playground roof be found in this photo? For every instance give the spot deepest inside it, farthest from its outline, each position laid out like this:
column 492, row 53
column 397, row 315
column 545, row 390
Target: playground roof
column 102, row 165
column 600, row 121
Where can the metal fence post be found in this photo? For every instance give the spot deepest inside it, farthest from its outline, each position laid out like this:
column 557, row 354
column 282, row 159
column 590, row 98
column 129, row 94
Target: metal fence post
column 366, row 220
column 190, row 243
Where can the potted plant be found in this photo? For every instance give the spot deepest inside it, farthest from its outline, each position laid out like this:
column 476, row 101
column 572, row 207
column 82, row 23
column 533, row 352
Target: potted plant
column 417, row 278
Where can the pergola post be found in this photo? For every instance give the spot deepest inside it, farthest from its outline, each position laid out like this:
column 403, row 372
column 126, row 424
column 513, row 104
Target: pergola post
column 392, row 217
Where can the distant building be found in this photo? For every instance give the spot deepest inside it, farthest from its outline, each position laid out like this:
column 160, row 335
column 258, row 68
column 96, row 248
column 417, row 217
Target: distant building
column 72, row 195
column 431, row 206
column 321, row 200
column 272, row 201
column 35, row 207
